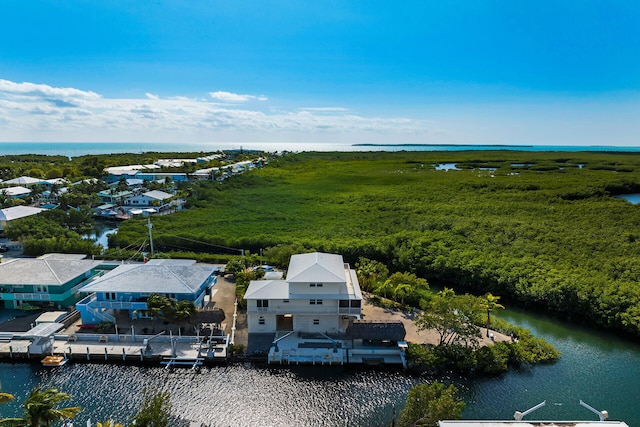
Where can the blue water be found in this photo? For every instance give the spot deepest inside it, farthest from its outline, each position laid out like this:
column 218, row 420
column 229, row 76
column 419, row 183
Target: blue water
column 595, row 366
column 81, row 148
column 631, row 198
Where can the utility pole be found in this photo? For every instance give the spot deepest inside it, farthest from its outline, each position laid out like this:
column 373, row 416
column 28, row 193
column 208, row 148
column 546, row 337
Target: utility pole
column 150, row 226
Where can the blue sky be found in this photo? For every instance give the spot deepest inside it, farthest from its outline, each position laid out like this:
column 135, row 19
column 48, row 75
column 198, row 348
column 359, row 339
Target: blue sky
column 456, row 72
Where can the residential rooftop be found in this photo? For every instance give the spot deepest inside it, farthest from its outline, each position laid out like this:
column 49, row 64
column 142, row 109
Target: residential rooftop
column 180, row 277
column 50, row 269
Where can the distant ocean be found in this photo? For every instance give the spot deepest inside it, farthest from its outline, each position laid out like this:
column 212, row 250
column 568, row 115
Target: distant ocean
column 74, row 149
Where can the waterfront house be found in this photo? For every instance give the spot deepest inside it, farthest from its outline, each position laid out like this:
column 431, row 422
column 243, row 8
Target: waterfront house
column 320, row 294
column 49, row 280
column 150, row 198
column 114, row 196
column 128, row 286
column 11, row 214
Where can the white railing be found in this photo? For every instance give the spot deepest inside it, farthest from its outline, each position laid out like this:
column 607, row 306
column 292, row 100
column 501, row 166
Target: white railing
column 102, row 315
column 120, row 305
column 305, row 310
column 32, row 297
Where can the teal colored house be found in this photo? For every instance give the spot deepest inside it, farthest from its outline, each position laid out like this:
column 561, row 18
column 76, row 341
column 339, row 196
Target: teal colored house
column 52, row 280
column 128, row 286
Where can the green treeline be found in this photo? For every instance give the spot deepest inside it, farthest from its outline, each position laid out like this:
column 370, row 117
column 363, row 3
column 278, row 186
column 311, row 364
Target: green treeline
column 540, row 228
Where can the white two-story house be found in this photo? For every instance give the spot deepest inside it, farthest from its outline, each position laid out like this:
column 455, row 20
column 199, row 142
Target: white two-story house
column 320, row 294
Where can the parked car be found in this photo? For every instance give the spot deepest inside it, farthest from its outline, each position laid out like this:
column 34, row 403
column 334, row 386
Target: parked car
column 4, row 248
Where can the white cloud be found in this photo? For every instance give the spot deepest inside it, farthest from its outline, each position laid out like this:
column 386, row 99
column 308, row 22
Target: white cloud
column 32, row 89
column 234, row 97
column 324, row 109
column 41, row 112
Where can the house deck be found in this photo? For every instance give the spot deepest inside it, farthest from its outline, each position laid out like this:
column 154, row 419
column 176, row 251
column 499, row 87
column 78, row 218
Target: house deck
column 319, row 349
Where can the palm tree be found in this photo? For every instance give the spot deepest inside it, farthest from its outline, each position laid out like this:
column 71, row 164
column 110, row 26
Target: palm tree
column 41, row 407
column 385, row 287
column 490, row 303
column 401, row 290
column 185, row 310
column 6, row 397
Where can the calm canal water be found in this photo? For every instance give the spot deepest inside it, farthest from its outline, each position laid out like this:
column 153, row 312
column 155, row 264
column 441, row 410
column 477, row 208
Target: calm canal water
column 600, row 369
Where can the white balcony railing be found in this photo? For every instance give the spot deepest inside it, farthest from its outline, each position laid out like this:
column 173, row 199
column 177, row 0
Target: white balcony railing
column 311, row 309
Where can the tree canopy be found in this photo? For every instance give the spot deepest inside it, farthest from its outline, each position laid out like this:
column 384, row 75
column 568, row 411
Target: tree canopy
column 453, row 317
column 545, row 229
column 428, row 403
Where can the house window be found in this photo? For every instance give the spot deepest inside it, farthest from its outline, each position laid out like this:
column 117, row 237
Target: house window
column 355, row 303
column 315, row 285
column 319, row 285
column 319, row 301
column 344, row 303
column 261, row 321
column 316, row 321
column 315, row 302
column 263, row 303
column 285, row 300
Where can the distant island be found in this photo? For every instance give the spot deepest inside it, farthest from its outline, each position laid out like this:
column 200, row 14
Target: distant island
column 439, row 145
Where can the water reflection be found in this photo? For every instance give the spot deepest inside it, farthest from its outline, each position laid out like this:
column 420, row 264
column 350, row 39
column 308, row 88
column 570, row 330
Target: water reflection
column 595, row 366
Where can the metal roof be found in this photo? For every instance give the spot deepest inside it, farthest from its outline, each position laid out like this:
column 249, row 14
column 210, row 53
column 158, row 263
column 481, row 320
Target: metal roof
column 24, row 180
column 43, row 330
column 16, row 212
column 15, row 191
column 48, row 271
column 165, row 278
column 158, row 195
column 316, row 267
column 267, row 289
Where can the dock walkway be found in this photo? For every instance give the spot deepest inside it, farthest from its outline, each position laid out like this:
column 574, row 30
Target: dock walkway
column 90, row 347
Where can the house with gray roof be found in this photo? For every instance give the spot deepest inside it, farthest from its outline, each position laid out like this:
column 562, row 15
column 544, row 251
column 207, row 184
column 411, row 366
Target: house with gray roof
column 150, row 198
column 49, row 280
column 11, row 214
column 26, row 181
column 128, row 286
column 18, row 192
